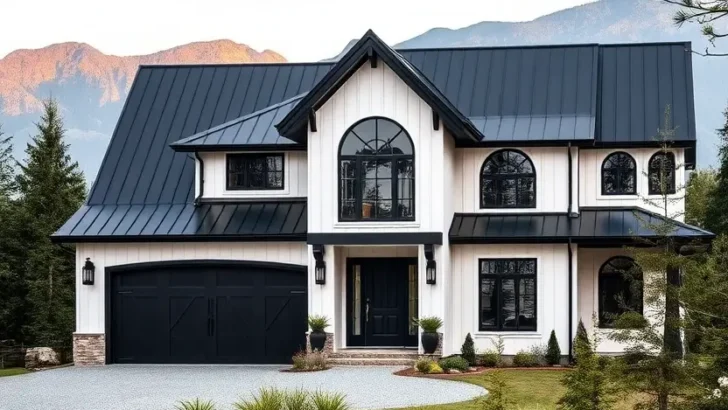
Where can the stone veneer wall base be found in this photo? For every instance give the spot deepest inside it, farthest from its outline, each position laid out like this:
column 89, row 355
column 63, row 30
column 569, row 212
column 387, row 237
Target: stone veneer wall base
column 89, row 349
column 328, row 345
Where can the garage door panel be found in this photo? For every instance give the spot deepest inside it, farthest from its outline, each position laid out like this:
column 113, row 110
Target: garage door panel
column 188, row 328
column 208, row 314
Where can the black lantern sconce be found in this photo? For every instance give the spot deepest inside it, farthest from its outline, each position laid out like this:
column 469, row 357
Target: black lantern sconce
column 320, row 271
column 87, row 272
column 431, row 267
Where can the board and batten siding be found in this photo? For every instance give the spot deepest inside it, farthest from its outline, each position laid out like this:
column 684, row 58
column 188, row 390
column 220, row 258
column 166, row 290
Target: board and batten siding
column 551, row 297
column 590, row 181
column 295, row 184
column 552, row 175
column 367, row 93
column 90, row 300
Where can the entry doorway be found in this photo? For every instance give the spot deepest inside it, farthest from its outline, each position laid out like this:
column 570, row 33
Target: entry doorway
column 382, row 300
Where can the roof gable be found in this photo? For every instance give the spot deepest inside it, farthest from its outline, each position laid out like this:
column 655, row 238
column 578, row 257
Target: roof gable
column 372, row 48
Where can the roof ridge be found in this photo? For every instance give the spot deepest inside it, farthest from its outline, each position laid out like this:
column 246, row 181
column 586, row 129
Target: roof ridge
column 254, row 64
column 234, row 121
column 539, row 46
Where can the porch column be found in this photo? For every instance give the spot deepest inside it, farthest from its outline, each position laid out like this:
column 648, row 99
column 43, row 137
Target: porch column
column 574, row 296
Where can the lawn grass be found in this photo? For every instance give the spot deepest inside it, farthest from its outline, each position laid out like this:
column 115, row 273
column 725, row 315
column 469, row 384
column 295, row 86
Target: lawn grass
column 13, row 371
column 529, row 389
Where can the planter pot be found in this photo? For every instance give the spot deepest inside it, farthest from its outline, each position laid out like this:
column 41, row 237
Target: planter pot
column 429, row 342
column 318, row 340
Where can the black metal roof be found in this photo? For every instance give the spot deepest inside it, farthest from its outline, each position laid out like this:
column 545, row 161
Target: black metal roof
column 256, row 130
column 252, row 221
column 593, row 225
column 371, row 48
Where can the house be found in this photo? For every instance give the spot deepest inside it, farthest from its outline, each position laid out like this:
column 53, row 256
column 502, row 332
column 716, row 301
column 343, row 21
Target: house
column 494, row 188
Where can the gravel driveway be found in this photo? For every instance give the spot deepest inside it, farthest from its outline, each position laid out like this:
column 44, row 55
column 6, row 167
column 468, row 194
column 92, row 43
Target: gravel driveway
column 127, row 387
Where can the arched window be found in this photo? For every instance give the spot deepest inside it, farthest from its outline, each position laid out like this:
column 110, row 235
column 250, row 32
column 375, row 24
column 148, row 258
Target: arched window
column 662, row 165
column 376, row 172
column 620, row 289
column 508, row 180
column 619, row 174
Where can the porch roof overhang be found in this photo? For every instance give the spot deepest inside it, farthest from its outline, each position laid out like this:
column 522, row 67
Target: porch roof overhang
column 594, row 226
column 375, row 238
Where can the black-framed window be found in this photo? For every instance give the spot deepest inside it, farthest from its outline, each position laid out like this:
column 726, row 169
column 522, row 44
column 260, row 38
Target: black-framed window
column 661, row 164
column 248, row 172
column 620, row 289
column 508, row 180
column 507, row 294
column 376, row 172
column 619, row 174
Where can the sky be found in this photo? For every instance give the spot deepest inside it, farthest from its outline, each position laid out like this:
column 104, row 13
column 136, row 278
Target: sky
column 299, row 30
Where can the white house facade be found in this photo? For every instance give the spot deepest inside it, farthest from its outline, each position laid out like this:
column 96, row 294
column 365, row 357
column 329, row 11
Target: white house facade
column 494, row 188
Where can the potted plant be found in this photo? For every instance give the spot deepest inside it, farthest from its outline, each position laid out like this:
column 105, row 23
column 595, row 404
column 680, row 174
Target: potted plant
column 430, row 337
column 317, row 337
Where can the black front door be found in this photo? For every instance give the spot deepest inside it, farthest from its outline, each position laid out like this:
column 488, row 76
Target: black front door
column 382, row 300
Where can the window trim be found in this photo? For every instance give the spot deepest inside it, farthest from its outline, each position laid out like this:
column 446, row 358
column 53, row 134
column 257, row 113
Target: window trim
column 394, row 180
column 499, row 327
column 634, row 176
column 266, row 155
column 602, row 323
column 481, row 203
column 671, row 191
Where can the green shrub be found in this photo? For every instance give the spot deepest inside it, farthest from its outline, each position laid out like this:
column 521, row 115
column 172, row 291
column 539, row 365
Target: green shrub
column 553, row 352
column 435, row 369
column 423, row 365
column 525, row 359
column 429, row 324
column 299, row 361
column 498, row 397
column 195, row 404
column 588, row 385
column 329, row 401
column 297, row 400
column 318, row 323
column 539, row 354
column 490, row 359
column 581, row 338
column 468, row 350
column 312, row 361
column 454, row 363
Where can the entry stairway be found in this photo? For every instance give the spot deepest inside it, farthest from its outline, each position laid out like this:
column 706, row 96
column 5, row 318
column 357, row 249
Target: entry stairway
column 374, row 357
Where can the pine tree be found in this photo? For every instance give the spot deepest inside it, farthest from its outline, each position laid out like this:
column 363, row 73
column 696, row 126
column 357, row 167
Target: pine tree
column 553, row 351
column 468, row 350
column 51, row 188
column 581, row 336
column 716, row 217
column 587, row 386
column 699, row 193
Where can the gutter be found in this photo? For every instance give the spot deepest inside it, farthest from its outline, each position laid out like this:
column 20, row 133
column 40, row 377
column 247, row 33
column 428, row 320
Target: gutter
column 202, row 179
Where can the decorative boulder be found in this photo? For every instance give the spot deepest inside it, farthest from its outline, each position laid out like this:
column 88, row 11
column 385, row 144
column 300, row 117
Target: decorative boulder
column 39, row 357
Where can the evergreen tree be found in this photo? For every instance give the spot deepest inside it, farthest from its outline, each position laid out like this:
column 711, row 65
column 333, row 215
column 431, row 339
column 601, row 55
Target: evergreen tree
column 705, row 13
column 699, row 192
column 468, row 350
column 587, row 386
column 51, row 188
column 716, row 217
column 553, row 351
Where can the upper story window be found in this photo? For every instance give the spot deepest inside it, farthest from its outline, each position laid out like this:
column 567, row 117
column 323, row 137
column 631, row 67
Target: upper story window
column 661, row 173
column 619, row 174
column 508, row 180
column 251, row 172
column 507, row 294
column 620, row 289
column 376, row 172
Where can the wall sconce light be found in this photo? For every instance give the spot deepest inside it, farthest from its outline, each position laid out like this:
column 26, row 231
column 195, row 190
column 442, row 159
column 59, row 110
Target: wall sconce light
column 431, row 267
column 87, row 272
column 320, row 271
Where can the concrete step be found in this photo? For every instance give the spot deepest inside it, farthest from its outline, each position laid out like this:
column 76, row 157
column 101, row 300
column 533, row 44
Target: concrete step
column 408, row 354
column 371, row 361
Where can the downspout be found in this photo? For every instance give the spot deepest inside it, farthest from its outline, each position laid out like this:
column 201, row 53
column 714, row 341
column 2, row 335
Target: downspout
column 571, row 319
column 202, row 178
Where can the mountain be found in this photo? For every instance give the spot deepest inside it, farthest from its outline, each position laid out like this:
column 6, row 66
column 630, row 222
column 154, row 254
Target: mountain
column 91, row 87
column 611, row 21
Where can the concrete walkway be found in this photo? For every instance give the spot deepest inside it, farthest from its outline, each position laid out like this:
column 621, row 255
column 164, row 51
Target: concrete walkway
column 127, row 387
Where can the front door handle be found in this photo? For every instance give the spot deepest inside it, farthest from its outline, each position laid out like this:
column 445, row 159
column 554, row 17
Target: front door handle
column 367, row 312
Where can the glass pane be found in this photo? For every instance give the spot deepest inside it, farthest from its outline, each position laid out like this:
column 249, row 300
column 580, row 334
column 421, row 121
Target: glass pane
column 401, row 144
column 366, row 131
column 384, row 209
column 275, row 179
column 508, row 318
column 352, row 145
column 488, row 303
column 527, row 304
column 412, row 307
column 356, row 316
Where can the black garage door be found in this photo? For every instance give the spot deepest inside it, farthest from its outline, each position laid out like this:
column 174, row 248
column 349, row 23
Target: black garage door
column 207, row 314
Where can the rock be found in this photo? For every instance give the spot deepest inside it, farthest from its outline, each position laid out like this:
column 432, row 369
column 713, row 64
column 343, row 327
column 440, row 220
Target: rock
column 454, row 371
column 38, row 357
column 472, row 369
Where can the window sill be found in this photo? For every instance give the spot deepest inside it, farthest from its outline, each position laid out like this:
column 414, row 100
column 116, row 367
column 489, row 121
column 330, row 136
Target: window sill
column 508, row 335
column 242, row 193
column 618, row 197
column 380, row 224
